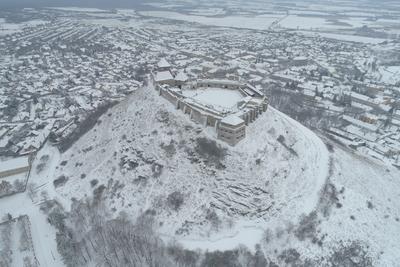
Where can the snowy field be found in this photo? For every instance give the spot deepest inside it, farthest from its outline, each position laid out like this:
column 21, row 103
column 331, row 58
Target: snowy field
column 301, row 23
column 330, row 23
column 345, row 37
column 390, row 74
column 208, row 12
column 246, row 22
column 10, row 28
column 79, row 9
column 292, row 173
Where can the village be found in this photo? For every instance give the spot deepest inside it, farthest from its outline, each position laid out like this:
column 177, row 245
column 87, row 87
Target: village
column 59, row 76
column 55, row 83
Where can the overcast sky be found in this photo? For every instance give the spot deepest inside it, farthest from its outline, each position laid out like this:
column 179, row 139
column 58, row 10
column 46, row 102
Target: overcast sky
column 87, row 3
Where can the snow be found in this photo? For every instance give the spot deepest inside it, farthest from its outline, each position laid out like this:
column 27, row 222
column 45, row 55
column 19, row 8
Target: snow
column 232, row 120
column 163, row 76
column 245, row 233
column 366, row 181
column 302, row 22
column 346, row 37
column 163, row 63
column 79, row 9
column 208, row 11
column 181, row 76
column 361, row 124
column 293, row 181
column 254, row 22
column 390, row 74
column 10, row 28
column 219, row 82
column 15, row 163
column 216, row 97
column 43, row 234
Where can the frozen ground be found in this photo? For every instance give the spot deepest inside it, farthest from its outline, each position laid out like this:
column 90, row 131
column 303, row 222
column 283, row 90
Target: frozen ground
column 224, row 99
column 10, row 28
column 247, row 22
column 277, row 174
column 79, row 9
column 143, row 150
column 43, row 234
column 346, row 37
column 390, row 74
column 322, row 19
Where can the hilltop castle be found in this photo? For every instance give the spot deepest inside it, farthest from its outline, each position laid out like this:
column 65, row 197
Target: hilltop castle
column 226, row 105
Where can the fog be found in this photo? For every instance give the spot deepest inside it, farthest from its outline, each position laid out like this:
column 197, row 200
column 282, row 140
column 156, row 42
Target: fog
column 82, row 3
column 134, row 3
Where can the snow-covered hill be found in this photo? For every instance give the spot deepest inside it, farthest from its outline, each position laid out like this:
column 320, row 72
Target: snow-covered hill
column 281, row 187
column 143, row 150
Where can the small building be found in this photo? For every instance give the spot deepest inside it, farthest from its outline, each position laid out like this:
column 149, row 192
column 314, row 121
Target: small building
column 14, row 166
column 362, row 99
column 300, row 61
column 164, row 77
column 231, row 129
column 163, row 65
column 180, row 79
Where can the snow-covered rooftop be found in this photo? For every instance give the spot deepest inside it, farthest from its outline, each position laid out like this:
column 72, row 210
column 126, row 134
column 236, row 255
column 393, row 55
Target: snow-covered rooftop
column 15, row 163
column 163, row 76
column 163, row 63
column 232, row 120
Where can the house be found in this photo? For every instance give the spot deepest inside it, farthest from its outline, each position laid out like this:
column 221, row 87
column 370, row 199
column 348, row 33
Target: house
column 164, row 77
column 300, row 61
column 180, row 79
column 163, row 65
column 163, row 74
column 14, row 166
column 361, row 124
column 362, row 99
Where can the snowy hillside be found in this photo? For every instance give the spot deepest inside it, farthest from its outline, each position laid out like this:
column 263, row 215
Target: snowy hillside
column 145, row 155
column 143, row 151
column 303, row 201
